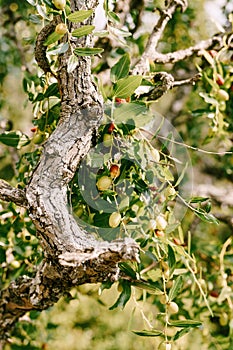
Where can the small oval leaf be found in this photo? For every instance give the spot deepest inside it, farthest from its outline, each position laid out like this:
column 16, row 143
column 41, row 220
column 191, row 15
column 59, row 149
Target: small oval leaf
column 84, row 30
column 79, row 16
column 125, row 87
column 88, row 51
column 52, row 38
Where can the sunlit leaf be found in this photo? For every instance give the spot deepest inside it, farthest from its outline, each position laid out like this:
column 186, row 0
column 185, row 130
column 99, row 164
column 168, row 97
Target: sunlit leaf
column 123, row 297
column 79, row 16
column 84, row 30
column 125, row 87
column 52, row 38
column 185, row 323
column 72, row 63
column 121, row 68
column 87, row 51
column 113, row 17
column 175, row 289
column 14, row 139
column 153, row 333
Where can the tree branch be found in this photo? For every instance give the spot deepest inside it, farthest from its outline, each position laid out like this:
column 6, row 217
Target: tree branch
column 72, row 256
column 11, row 194
column 141, row 67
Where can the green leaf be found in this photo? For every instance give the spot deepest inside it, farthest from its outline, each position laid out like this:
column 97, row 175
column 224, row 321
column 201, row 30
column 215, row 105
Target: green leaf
column 180, row 333
column 127, row 270
column 59, row 49
column 14, row 139
column 153, row 333
column 133, row 110
column 84, row 30
column 175, row 289
column 52, row 90
column 88, row 51
column 113, row 17
column 72, row 63
column 206, row 217
column 171, row 257
column 167, row 174
column 124, row 296
column 148, row 287
column 198, row 199
column 181, row 175
column 185, row 323
column 79, row 16
column 125, row 87
column 121, row 68
column 52, row 38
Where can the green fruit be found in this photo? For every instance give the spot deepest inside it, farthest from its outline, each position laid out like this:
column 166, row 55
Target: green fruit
column 223, row 319
column 172, row 307
column 107, row 140
column 61, row 28
column 59, row 4
column 161, row 222
column 223, row 95
column 104, row 183
column 164, row 346
column 38, row 138
column 114, row 219
column 15, row 264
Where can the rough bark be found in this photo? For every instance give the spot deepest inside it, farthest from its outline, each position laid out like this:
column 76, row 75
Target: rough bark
column 72, row 256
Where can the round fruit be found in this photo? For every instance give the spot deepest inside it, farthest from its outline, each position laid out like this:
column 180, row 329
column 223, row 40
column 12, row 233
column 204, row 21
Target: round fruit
column 114, row 219
column 120, row 100
column 104, row 183
column 61, row 28
column 219, row 80
column 15, row 264
column 213, row 53
column 59, row 4
column 111, row 128
column 161, row 222
column 172, row 307
column 38, row 138
column 114, row 171
column 107, row 140
column 223, row 95
column 165, row 346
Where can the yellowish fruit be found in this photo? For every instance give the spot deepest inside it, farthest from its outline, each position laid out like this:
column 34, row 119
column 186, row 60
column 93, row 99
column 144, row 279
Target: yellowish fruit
column 114, row 219
column 223, row 95
column 107, row 140
column 15, row 264
column 223, row 319
column 61, row 28
column 169, row 191
column 59, row 4
column 165, row 346
column 104, row 183
column 38, row 138
column 172, row 308
column 161, row 222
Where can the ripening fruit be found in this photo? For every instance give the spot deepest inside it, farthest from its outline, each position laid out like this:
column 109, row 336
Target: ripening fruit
column 172, row 307
column 223, row 95
column 219, row 80
column 161, row 222
column 61, row 28
column 104, row 183
column 165, row 346
column 114, row 171
column 114, row 219
column 107, row 140
column 120, row 100
column 213, row 53
column 111, row 128
column 38, row 138
column 59, row 4
column 15, row 264
column 155, row 155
